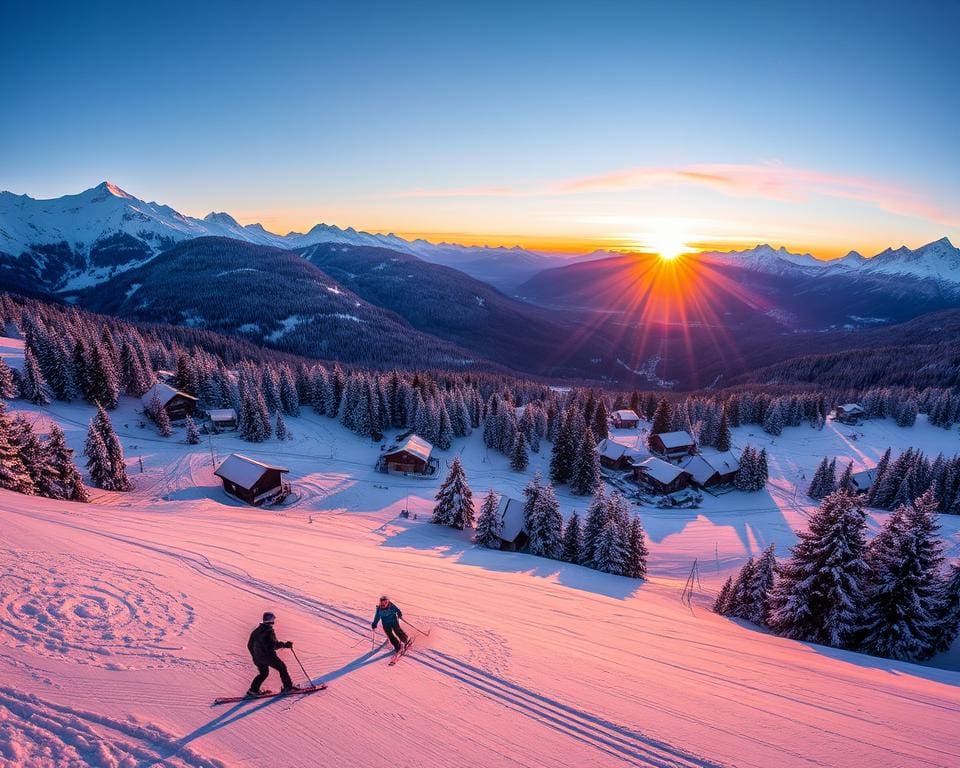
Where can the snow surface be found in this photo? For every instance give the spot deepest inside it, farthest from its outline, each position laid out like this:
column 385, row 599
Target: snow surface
column 121, row 620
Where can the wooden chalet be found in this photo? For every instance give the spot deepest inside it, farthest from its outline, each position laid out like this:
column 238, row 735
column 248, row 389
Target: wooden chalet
column 625, row 419
column 709, row 469
column 177, row 404
column 673, row 445
column 849, row 413
column 661, row 476
column 223, row 419
column 250, row 480
column 412, row 456
column 513, row 532
column 863, row 481
column 615, row 455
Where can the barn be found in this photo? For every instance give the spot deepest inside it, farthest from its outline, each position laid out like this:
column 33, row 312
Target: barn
column 615, row 455
column 849, row 413
column 625, row 419
column 709, row 469
column 673, row 445
column 513, row 532
column 177, row 404
column 222, row 419
column 661, row 476
column 250, row 480
column 412, row 456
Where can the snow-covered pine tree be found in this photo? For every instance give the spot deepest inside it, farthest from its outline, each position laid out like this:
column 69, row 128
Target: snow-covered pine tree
column 823, row 483
column 193, row 434
column 774, row 419
column 609, row 552
column 756, row 597
column 762, row 474
column 33, row 386
column 724, row 438
column 745, row 477
column 519, row 459
column 948, row 621
column 564, row 448
column 98, row 462
column 545, row 524
column 845, row 483
column 596, row 517
column 572, row 540
column 160, row 416
column 722, row 603
column 662, row 418
column 738, row 601
column 600, row 423
column 489, row 523
column 904, row 591
column 67, row 477
column 8, row 389
column 818, row 595
column 636, row 562
column 585, row 477
column 445, row 427
column 103, row 382
column 32, row 455
column 454, row 499
column 281, row 429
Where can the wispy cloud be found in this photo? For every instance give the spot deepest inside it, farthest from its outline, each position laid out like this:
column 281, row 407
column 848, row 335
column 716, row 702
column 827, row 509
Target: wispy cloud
column 770, row 181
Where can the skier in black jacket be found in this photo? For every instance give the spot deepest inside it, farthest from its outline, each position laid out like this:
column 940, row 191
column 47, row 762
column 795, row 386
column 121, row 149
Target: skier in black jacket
column 263, row 645
column 390, row 615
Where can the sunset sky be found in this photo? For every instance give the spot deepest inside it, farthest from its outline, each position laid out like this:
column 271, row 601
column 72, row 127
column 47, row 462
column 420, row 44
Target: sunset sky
column 560, row 126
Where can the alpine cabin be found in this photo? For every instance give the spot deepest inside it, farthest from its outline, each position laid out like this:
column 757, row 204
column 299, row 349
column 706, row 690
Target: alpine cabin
column 849, row 413
column 661, row 476
column 412, row 456
column 709, row 469
column 673, row 445
column 615, row 455
column 625, row 419
column 177, row 404
column 250, row 480
column 222, row 419
column 513, row 532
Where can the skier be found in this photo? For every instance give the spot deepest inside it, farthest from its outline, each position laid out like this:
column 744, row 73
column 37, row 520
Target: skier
column 390, row 615
column 263, row 645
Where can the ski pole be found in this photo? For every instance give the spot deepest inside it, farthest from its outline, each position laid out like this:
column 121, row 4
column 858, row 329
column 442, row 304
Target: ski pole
column 309, row 679
column 415, row 627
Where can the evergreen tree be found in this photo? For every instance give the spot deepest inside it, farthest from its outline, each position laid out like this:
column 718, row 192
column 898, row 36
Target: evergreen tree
column 564, row 448
column 609, row 553
column 33, row 386
column 572, row 540
column 881, row 469
column 818, row 595
column 636, row 564
column 845, row 483
column 739, row 597
column 519, row 459
column 724, row 439
column 756, row 596
column 32, row 455
column 66, row 475
column 722, row 604
column 281, row 429
column 13, row 474
column 543, row 520
column 8, row 389
column 586, row 478
column 948, row 620
column 823, row 482
column 904, row 597
column 600, row 423
column 596, row 517
column 193, row 434
column 489, row 524
column 662, row 418
column 454, row 499
column 773, row 420
column 160, row 416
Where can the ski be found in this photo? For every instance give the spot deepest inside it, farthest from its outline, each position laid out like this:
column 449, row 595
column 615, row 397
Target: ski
column 268, row 695
column 402, row 652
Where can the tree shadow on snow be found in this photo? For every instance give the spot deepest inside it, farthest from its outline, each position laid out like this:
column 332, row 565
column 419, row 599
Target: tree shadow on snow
column 457, row 545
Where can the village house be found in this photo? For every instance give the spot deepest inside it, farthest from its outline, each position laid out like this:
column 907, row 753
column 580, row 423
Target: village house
column 672, row 445
column 615, row 455
column 661, row 476
column 251, row 481
column 177, row 404
column 711, row 469
column 625, row 419
column 412, row 456
column 513, row 533
column 222, row 419
column 849, row 413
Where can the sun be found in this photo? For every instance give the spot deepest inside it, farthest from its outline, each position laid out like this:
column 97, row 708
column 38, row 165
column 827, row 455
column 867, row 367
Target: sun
column 666, row 239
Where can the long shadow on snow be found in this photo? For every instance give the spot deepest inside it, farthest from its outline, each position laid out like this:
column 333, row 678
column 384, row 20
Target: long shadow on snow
column 244, row 709
column 455, row 544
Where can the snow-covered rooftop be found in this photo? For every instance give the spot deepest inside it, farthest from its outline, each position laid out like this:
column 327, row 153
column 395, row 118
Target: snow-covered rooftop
column 610, row 449
column 660, row 470
column 626, row 415
column 164, row 392
column 243, row 470
column 414, row 445
column 707, row 463
column 222, row 414
column 850, row 408
column 675, row 439
column 511, row 515
column 863, row 479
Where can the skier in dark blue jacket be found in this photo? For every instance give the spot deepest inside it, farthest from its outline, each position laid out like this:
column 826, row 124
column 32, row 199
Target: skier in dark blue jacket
column 390, row 615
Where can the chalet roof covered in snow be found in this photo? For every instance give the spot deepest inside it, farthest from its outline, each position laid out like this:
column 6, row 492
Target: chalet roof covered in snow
column 851, row 409
column 414, row 445
column 614, row 451
column 222, row 414
column 511, row 515
column 864, row 479
column 164, row 392
column 675, row 439
column 243, row 470
column 707, row 463
column 626, row 415
column 660, row 470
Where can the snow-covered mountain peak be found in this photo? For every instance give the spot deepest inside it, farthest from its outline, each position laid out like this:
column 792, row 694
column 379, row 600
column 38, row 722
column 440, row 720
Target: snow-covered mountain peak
column 224, row 219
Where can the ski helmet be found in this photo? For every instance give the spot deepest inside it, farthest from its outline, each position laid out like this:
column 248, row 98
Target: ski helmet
column 269, row 618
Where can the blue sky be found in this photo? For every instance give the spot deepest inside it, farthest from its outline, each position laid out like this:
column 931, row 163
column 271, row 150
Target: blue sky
column 820, row 126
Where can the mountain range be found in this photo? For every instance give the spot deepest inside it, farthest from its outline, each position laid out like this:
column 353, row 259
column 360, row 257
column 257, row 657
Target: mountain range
column 344, row 294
